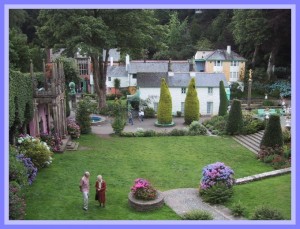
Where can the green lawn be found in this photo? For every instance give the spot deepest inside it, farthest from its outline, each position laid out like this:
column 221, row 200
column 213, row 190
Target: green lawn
column 167, row 162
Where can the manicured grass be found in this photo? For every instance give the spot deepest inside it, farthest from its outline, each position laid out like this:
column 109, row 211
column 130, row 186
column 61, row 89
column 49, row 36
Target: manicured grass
column 274, row 192
column 167, row 162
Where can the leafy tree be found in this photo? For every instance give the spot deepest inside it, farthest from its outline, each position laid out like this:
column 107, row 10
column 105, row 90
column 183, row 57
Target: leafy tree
column 95, row 30
column 191, row 105
column 235, row 118
column 164, row 111
column 83, row 115
column 223, row 100
column 70, row 70
column 204, row 44
column 273, row 133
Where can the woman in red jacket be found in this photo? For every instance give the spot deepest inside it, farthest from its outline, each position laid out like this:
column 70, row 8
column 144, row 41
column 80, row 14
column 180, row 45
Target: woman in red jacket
column 100, row 189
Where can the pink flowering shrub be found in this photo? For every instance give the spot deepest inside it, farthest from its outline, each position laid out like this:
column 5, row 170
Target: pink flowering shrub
column 143, row 190
column 216, row 183
column 73, row 128
column 52, row 140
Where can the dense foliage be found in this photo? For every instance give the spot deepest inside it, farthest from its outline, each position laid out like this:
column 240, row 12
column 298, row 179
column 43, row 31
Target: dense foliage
column 223, row 100
column 17, row 205
column 84, row 110
column 235, row 118
column 273, row 133
column 197, row 215
column 191, row 105
column 164, row 110
column 267, row 213
column 20, row 101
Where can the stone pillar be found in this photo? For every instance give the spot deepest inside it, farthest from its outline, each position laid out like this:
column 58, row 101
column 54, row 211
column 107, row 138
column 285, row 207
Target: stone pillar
column 55, row 117
column 36, row 118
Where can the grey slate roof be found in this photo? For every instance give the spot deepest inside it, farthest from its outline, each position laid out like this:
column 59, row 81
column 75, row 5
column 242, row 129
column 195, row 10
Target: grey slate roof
column 180, row 79
column 159, row 66
column 116, row 71
column 221, row 54
column 150, row 79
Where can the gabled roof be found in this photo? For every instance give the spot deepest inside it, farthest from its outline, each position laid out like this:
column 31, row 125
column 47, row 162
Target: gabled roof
column 221, row 54
column 158, row 66
column 116, row 71
column 149, row 80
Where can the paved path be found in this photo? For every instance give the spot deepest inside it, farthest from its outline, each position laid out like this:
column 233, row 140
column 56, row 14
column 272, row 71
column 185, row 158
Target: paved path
column 185, row 200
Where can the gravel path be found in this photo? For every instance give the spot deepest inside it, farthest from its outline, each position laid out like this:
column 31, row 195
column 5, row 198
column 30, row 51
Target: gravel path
column 187, row 199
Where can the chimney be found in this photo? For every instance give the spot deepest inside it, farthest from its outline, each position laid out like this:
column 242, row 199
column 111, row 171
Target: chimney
column 169, row 66
column 229, row 49
column 191, row 65
column 111, row 61
column 127, row 62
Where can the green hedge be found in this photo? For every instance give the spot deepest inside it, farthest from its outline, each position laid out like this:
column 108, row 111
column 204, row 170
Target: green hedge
column 273, row 133
column 235, row 118
column 223, row 100
column 164, row 112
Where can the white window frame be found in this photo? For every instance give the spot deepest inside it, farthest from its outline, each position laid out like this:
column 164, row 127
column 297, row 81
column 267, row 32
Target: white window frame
column 210, row 90
column 183, row 90
column 234, row 63
column 209, row 107
column 218, row 63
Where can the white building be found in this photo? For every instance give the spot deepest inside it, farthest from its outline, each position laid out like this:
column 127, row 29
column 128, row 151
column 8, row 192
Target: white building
column 207, row 85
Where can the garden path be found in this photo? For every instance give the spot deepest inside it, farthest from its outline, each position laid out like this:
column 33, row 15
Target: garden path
column 184, row 200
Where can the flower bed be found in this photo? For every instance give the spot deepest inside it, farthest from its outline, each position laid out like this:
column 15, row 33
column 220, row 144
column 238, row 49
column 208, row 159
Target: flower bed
column 143, row 197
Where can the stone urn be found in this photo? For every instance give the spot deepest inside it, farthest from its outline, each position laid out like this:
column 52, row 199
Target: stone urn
column 146, row 205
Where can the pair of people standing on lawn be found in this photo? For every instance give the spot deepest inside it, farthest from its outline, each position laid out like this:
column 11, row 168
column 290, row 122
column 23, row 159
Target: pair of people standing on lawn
column 85, row 188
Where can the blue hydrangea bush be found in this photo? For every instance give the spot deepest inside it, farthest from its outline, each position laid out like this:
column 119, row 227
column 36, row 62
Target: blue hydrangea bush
column 216, row 183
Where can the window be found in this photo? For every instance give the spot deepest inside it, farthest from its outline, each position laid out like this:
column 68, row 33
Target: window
column 83, row 66
column 155, row 104
column 109, row 78
column 210, row 107
column 182, row 107
column 133, row 76
column 234, row 75
column 218, row 63
column 210, row 90
column 234, row 63
column 183, row 90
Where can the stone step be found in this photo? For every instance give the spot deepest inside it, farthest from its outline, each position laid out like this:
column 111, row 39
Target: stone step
column 245, row 143
column 251, row 139
column 73, row 146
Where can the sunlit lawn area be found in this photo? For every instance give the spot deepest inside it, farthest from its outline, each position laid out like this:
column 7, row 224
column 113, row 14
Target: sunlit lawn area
column 167, row 162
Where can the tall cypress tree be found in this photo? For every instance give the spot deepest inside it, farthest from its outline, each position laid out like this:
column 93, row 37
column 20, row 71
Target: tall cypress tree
column 191, row 105
column 223, row 100
column 235, row 118
column 164, row 111
column 273, row 133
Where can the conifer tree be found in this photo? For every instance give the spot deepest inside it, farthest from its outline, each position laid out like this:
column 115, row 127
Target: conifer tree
column 164, row 111
column 273, row 133
column 235, row 118
column 191, row 105
column 223, row 100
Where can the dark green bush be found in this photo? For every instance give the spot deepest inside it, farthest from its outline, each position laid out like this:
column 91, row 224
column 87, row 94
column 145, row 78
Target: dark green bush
column 149, row 133
column 235, row 119
column 215, row 132
column 17, row 170
column 217, row 194
column 267, row 213
column 118, row 124
column 286, row 135
column 17, row 205
column 178, row 132
column 197, row 215
column 273, row 133
column 84, row 110
column 178, row 113
column 223, row 100
column 268, row 103
column 149, row 112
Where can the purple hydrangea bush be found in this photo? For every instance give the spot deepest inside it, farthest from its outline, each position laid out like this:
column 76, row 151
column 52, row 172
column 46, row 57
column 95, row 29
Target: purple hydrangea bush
column 216, row 183
column 142, row 189
column 28, row 164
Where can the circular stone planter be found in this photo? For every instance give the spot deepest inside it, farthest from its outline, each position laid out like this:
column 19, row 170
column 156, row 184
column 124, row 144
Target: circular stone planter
column 164, row 125
column 146, row 205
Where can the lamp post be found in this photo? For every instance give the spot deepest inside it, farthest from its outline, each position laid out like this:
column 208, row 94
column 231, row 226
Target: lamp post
column 249, row 90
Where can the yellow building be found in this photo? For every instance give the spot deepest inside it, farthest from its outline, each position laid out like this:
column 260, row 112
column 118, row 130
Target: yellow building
column 221, row 61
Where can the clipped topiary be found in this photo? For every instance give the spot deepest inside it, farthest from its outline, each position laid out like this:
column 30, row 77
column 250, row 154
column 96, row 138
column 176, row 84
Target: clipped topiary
column 273, row 133
column 191, row 105
column 235, row 118
column 164, row 111
column 223, row 100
